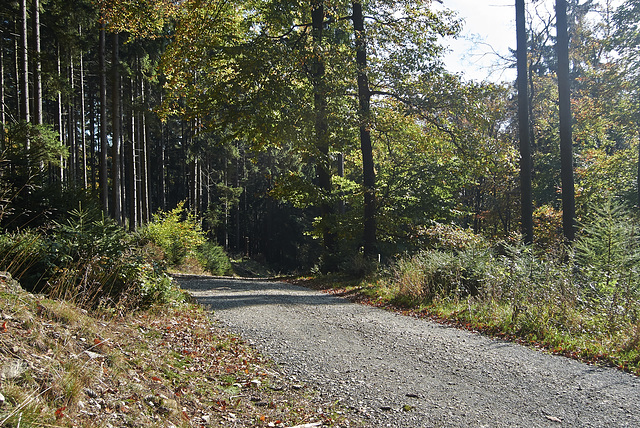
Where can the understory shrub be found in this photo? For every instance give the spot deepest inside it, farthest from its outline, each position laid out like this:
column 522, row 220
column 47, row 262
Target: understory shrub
column 180, row 239
column 88, row 260
column 177, row 233
column 582, row 300
column 607, row 254
column 213, row 258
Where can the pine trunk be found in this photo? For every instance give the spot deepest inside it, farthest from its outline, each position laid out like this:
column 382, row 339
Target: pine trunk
column 83, row 137
column 60, row 120
column 37, row 65
column 25, row 66
column 71, row 126
column 104, row 171
column 116, row 175
column 144, row 157
column 131, row 166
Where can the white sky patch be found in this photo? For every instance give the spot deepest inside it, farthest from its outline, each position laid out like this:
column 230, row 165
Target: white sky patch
column 489, row 30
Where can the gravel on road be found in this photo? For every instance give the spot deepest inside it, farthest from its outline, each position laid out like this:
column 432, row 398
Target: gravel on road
column 400, row 371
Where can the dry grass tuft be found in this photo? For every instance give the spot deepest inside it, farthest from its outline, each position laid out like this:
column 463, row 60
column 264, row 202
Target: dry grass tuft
column 167, row 366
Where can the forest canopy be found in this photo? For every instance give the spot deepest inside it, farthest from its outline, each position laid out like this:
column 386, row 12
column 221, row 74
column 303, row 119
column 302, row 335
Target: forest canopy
column 311, row 134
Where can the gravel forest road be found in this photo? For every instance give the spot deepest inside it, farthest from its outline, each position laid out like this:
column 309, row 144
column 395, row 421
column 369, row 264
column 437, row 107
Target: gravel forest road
column 399, row 371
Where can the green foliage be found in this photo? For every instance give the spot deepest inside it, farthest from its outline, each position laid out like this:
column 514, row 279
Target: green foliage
column 88, row 260
column 608, row 255
column 87, row 233
column 44, row 146
column 177, row 232
column 180, row 237
column 213, row 258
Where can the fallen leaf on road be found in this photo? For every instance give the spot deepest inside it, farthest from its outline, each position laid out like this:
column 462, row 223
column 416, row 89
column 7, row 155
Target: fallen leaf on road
column 553, row 418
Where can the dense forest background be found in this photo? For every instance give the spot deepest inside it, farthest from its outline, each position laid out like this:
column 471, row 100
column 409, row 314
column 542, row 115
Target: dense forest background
column 318, row 134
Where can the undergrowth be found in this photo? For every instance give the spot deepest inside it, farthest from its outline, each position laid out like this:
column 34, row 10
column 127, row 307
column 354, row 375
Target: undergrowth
column 580, row 301
column 168, row 365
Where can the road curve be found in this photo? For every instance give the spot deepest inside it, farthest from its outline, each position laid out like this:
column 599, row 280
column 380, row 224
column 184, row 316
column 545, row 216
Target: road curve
column 399, row 371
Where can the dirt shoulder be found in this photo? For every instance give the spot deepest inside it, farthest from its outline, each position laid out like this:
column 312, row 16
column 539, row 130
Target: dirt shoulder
column 171, row 366
column 401, row 371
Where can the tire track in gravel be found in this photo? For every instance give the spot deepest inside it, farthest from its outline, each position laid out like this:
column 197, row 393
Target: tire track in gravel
column 399, row 371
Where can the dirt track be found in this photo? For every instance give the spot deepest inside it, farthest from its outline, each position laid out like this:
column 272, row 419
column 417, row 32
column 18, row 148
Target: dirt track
column 400, row 371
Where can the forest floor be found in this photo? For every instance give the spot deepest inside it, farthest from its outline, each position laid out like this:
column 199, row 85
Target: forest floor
column 402, row 371
column 170, row 366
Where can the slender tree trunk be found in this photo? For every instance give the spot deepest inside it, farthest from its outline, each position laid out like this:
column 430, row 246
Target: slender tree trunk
column 116, row 177
column 638, row 177
column 566, row 140
column 526, row 199
column 16, row 56
column 364, row 100
column 25, row 66
column 37, row 69
column 144, row 157
column 104, row 171
column 83, row 137
column 60, row 118
column 329, row 262
column 131, row 166
column 71, row 126
column 92, row 134
column 163, row 174
column 162, row 196
column 2, row 94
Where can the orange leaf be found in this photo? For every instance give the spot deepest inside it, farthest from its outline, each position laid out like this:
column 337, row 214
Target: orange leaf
column 4, row 327
column 263, row 418
column 156, row 378
column 59, row 413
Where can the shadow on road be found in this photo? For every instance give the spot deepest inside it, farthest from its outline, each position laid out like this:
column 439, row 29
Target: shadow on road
column 225, row 293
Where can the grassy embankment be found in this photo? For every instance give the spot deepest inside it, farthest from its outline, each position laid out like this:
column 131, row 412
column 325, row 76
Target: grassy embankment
column 106, row 338
column 583, row 303
column 168, row 365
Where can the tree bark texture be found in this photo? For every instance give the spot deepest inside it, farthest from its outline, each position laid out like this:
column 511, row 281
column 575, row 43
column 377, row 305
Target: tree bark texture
column 104, row 170
column 526, row 199
column 116, row 132
column 566, row 139
column 364, row 101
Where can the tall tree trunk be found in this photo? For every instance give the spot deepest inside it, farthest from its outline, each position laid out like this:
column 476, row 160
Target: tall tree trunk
column 92, row 133
column 104, row 171
column 60, row 123
column 83, row 137
column 329, row 262
column 71, row 127
column 116, row 175
column 364, row 101
column 144, row 156
column 25, row 66
column 162, row 196
column 37, row 61
column 566, row 143
column 2, row 93
column 526, row 199
column 131, row 165
column 16, row 56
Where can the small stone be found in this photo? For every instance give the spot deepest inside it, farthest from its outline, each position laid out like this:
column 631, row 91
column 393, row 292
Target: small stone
column 13, row 369
column 93, row 355
column 2, row 399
